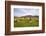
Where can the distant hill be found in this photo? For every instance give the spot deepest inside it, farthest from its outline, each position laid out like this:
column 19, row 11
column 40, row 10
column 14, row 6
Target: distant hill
column 27, row 16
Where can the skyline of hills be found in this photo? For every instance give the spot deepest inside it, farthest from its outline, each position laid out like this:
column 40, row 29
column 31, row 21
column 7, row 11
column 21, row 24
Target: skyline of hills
column 27, row 16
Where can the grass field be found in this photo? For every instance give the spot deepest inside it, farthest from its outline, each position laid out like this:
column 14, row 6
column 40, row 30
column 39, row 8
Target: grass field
column 26, row 22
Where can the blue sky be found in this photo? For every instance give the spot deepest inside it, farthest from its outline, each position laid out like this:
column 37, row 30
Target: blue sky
column 25, row 11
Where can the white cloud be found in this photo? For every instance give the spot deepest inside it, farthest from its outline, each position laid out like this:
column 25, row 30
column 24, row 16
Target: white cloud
column 30, row 12
column 25, row 11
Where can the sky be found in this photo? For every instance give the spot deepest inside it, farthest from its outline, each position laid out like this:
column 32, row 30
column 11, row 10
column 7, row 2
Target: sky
column 25, row 11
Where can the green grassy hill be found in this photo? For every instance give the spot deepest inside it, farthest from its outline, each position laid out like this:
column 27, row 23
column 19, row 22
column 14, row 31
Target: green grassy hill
column 26, row 21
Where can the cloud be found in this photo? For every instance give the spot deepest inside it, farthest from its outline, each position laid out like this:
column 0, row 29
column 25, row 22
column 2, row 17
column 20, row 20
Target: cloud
column 25, row 11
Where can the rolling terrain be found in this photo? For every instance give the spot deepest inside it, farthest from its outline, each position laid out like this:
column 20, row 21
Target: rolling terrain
column 26, row 21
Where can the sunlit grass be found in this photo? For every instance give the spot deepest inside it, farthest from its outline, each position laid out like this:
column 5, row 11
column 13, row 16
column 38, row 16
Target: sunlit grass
column 25, row 22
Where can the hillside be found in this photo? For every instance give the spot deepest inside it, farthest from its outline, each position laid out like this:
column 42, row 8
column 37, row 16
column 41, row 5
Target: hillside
column 26, row 16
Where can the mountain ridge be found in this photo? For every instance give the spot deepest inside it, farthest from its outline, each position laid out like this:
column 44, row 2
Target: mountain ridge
column 28, row 16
